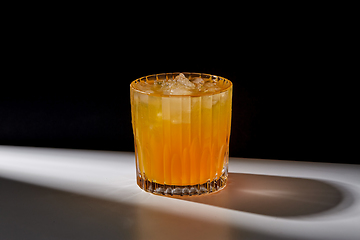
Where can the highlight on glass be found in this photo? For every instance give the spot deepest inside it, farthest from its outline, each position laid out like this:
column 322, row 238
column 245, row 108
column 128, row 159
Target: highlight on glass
column 181, row 124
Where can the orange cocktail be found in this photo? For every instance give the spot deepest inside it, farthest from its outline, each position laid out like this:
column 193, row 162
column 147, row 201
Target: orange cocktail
column 181, row 125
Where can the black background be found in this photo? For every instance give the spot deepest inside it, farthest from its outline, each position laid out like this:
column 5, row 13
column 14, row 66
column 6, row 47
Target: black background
column 66, row 85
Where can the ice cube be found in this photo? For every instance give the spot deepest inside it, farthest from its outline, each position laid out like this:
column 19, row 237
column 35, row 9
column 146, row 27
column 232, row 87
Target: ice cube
column 209, row 84
column 210, row 87
column 180, row 91
column 179, row 86
column 145, row 87
column 181, row 79
column 175, row 89
column 198, row 80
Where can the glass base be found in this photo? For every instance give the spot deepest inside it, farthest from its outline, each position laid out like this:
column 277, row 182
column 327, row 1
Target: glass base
column 186, row 190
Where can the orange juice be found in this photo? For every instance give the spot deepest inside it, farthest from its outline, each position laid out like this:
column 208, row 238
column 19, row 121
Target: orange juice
column 181, row 139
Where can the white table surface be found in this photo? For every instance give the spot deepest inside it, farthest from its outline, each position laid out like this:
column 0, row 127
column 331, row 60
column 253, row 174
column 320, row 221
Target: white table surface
column 83, row 194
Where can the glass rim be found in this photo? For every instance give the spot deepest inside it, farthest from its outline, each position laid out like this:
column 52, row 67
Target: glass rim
column 132, row 84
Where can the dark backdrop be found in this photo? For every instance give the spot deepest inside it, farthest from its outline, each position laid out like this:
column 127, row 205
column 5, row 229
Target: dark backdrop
column 69, row 88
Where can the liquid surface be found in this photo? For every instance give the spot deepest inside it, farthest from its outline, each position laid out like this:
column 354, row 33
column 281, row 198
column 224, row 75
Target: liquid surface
column 181, row 85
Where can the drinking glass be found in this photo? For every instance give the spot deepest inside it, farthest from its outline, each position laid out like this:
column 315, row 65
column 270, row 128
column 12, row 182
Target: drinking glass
column 181, row 141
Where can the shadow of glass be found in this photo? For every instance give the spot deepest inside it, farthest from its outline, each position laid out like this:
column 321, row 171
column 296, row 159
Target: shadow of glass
column 276, row 196
column 34, row 212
